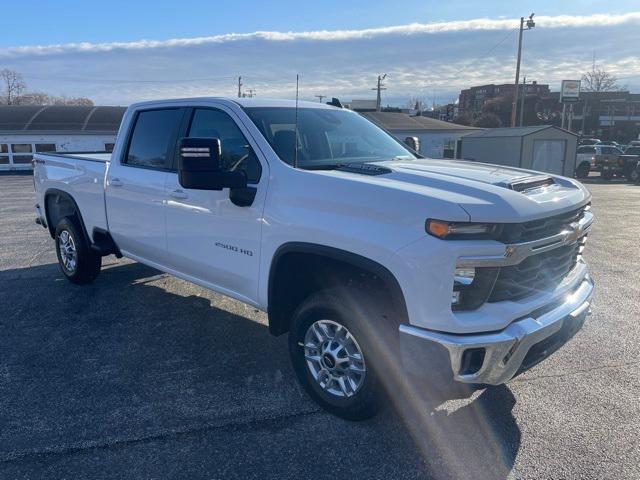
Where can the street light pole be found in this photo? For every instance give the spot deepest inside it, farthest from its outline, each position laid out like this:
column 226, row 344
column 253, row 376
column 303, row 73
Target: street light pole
column 514, row 107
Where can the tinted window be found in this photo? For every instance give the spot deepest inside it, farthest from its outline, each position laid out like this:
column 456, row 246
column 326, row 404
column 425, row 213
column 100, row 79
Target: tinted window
column 237, row 154
column 633, row 151
column 153, row 138
column 45, row 147
column 108, row 147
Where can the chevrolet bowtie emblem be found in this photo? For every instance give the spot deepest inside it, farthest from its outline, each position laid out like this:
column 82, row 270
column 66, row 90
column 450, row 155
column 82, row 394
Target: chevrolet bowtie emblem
column 574, row 232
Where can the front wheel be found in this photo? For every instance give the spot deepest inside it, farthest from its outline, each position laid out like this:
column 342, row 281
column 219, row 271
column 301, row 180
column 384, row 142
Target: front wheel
column 332, row 356
column 78, row 263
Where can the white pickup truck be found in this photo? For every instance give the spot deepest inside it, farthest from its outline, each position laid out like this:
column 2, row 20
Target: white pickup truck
column 375, row 261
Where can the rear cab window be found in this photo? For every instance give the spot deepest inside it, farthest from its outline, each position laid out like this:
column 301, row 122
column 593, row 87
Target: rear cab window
column 153, row 138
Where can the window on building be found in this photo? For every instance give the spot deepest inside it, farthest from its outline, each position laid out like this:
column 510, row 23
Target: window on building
column 45, row 147
column 153, row 138
column 449, row 148
column 4, row 148
column 22, row 158
column 21, row 148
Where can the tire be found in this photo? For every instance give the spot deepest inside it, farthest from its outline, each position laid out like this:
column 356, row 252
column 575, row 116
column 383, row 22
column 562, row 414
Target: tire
column 77, row 262
column 583, row 170
column 634, row 175
column 345, row 314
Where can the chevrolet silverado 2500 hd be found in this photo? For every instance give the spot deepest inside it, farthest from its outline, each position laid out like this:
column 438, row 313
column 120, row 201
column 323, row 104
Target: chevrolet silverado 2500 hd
column 369, row 256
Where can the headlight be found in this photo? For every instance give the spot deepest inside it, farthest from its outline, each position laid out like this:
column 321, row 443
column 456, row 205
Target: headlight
column 462, row 230
column 472, row 287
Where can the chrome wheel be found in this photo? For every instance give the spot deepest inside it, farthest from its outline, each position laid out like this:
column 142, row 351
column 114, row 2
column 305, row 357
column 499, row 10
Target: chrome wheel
column 68, row 252
column 334, row 358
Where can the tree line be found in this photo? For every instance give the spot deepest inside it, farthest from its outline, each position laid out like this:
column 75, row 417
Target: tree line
column 13, row 91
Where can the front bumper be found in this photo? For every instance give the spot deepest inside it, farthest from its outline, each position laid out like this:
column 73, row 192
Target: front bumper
column 496, row 357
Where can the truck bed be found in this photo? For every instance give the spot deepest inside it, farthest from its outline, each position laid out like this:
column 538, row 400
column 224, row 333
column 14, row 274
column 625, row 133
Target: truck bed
column 81, row 175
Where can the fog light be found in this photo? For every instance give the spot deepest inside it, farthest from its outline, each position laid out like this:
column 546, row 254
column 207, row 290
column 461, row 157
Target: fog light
column 464, row 276
column 455, row 298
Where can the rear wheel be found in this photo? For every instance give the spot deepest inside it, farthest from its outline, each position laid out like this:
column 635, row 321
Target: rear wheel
column 583, row 170
column 332, row 354
column 78, row 263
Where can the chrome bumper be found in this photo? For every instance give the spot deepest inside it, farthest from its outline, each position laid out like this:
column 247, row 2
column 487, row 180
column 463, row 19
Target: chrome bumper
column 505, row 352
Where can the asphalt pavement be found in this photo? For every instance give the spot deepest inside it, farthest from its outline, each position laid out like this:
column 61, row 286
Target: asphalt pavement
column 141, row 375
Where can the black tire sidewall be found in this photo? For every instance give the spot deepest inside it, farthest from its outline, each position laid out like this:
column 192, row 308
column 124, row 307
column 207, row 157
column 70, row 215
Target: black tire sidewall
column 328, row 306
column 88, row 263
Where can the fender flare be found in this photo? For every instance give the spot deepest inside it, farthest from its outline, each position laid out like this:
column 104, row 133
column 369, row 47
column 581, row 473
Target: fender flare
column 67, row 195
column 352, row 259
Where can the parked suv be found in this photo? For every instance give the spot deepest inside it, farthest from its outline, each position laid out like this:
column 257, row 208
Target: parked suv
column 599, row 158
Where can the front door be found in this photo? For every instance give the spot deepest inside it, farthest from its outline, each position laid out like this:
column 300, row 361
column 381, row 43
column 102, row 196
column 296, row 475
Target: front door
column 209, row 237
column 136, row 185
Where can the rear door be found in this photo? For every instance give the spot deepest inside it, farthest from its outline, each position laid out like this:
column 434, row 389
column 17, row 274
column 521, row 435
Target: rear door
column 209, row 238
column 135, row 194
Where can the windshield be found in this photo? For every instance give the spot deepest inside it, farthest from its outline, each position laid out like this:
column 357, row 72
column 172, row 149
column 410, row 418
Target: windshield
column 326, row 138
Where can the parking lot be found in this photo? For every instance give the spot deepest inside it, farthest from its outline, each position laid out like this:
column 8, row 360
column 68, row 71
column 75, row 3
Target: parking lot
column 141, row 375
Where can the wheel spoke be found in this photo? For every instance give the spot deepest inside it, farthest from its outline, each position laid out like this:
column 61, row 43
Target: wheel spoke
column 334, row 358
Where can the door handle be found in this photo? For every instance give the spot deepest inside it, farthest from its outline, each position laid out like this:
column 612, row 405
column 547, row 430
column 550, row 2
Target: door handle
column 178, row 194
column 116, row 182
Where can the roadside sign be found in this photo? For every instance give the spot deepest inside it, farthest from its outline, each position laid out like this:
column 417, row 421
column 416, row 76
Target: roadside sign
column 570, row 91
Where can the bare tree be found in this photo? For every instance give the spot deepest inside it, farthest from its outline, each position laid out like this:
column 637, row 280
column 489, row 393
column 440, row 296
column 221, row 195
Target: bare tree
column 13, row 84
column 598, row 80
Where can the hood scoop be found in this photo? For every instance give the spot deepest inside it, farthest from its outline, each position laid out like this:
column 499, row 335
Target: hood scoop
column 529, row 185
column 364, row 169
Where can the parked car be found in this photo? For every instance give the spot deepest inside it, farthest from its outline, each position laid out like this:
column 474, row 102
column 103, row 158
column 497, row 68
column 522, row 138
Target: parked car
column 634, row 143
column 588, row 141
column 374, row 261
column 630, row 159
column 600, row 158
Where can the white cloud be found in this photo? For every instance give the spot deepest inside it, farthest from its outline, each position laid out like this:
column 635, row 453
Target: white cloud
column 429, row 60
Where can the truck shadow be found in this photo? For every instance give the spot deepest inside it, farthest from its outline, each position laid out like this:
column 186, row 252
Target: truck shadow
column 137, row 357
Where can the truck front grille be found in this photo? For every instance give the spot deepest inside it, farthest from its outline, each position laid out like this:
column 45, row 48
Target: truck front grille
column 537, row 229
column 538, row 273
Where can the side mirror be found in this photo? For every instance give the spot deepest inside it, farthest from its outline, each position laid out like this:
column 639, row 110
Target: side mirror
column 413, row 143
column 199, row 166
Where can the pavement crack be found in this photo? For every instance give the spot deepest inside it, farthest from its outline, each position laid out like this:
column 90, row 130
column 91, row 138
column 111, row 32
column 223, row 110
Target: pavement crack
column 80, row 447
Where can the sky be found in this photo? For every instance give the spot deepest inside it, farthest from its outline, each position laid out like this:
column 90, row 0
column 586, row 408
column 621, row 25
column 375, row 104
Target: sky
column 117, row 52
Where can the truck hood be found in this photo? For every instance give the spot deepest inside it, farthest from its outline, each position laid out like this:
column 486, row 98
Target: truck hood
column 486, row 192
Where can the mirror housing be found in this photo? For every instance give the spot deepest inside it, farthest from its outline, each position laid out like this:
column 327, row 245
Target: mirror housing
column 199, row 166
column 413, row 143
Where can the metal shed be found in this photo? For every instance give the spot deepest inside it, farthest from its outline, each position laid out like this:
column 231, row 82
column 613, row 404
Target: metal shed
column 26, row 129
column 438, row 139
column 544, row 147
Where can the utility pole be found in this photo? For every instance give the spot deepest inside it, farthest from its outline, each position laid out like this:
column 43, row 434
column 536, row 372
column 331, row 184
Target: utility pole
column 379, row 89
column 320, row 97
column 239, row 87
column 514, row 107
column 522, row 95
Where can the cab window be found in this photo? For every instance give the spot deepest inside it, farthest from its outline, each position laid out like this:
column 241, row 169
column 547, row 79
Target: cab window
column 153, row 138
column 237, row 154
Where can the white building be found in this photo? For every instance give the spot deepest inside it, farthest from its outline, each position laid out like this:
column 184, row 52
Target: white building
column 26, row 129
column 438, row 139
